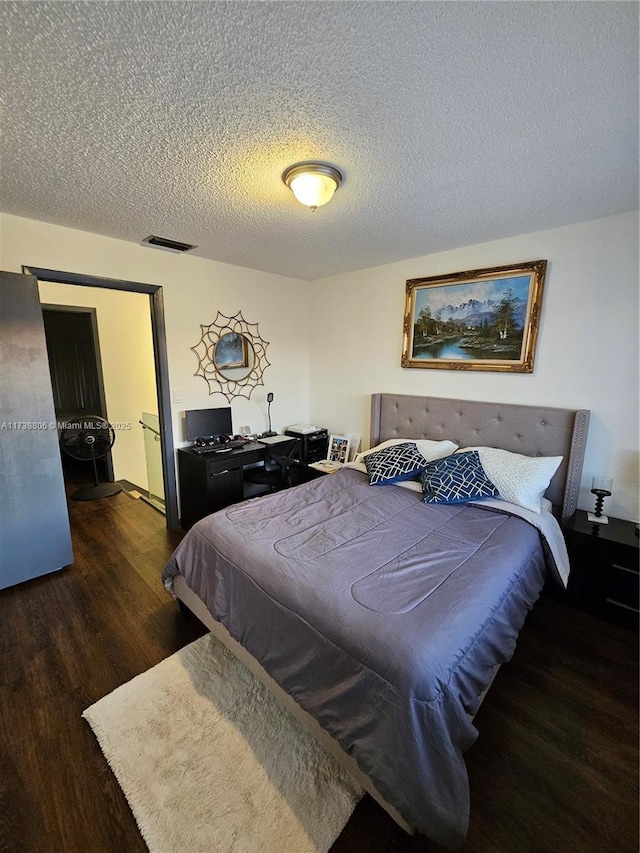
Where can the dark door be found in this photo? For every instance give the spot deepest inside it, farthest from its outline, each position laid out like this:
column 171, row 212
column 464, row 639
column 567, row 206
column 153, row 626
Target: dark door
column 34, row 523
column 72, row 362
column 76, row 372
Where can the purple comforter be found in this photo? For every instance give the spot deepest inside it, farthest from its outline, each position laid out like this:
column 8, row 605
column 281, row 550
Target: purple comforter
column 382, row 616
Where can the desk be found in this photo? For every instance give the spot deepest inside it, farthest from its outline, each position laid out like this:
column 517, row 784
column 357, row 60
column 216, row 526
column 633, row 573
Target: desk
column 211, row 481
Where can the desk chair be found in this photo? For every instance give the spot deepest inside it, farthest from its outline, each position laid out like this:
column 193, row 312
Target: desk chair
column 276, row 473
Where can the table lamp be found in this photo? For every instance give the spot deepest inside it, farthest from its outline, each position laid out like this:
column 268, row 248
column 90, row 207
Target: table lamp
column 601, row 488
column 269, row 432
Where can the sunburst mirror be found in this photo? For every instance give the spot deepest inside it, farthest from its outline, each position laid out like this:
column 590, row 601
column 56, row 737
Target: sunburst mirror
column 232, row 356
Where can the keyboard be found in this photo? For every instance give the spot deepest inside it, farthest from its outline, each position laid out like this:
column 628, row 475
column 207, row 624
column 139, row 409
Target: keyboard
column 219, row 447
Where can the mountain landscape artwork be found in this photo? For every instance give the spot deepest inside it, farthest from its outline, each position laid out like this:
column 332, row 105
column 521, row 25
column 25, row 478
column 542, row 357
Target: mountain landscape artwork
column 481, row 320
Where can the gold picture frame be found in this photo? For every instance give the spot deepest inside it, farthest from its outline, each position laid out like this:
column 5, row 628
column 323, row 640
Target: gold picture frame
column 484, row 319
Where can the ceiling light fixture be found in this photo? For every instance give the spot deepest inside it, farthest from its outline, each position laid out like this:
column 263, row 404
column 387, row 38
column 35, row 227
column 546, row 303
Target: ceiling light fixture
column 313, row 184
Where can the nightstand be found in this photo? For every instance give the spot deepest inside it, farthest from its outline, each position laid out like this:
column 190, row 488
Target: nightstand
column 604, row 568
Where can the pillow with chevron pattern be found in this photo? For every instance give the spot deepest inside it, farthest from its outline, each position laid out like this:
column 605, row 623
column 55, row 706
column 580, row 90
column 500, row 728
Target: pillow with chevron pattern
column 395, row 463
column 456, row 479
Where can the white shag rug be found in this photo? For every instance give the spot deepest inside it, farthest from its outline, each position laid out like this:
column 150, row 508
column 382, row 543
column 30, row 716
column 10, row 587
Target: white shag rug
column 210, row 761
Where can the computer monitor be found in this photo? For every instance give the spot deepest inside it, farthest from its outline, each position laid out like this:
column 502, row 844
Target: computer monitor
column 208, row 423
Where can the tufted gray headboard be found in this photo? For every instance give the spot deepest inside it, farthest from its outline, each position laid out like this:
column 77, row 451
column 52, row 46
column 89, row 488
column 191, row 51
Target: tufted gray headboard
column 530, row 430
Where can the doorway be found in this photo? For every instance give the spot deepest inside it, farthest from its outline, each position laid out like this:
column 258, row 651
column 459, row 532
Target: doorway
column 156, row 304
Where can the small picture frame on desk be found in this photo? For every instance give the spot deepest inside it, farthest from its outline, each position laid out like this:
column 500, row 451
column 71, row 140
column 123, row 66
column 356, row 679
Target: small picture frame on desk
column 338, row 450
column 354, row 445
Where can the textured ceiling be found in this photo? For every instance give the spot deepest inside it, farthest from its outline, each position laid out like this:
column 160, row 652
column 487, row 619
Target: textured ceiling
column 453, row 122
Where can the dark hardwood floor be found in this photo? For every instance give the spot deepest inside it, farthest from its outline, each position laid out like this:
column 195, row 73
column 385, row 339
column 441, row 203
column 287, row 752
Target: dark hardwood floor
column 555, row 767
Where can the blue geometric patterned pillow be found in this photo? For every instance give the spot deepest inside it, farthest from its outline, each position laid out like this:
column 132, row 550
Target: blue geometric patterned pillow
column 395, row 463
column 455, row 479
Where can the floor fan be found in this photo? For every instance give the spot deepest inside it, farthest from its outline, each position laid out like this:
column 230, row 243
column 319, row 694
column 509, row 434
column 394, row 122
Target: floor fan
column 87, row 441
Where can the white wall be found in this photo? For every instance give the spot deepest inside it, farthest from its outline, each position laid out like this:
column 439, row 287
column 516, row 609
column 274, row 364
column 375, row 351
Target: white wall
column 341, row 337
column 587, row 353
column 194, row 290
column 126, row 351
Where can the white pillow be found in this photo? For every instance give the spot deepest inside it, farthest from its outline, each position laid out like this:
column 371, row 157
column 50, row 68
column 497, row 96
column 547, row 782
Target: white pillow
column 521, row 480
column 431, row 450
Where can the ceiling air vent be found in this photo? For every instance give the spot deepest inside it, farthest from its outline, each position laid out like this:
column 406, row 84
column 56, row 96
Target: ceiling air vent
column 170, row 245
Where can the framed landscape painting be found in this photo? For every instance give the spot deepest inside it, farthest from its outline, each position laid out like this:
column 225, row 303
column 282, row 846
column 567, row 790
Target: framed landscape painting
column 231, row 351
column 477, row 320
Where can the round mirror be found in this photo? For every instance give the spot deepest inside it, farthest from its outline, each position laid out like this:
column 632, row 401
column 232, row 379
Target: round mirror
column 233, row 356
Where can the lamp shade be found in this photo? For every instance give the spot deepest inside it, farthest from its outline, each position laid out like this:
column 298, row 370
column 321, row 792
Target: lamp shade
column 313, row 184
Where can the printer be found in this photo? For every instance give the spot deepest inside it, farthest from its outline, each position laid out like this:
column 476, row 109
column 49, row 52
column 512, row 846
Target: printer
column 313, row 442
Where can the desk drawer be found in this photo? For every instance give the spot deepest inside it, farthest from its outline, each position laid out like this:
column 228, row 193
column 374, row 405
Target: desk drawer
column 225, row 486
column 212, row 481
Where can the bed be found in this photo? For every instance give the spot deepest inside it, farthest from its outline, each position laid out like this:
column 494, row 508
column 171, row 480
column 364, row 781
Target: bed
column 380, row 620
